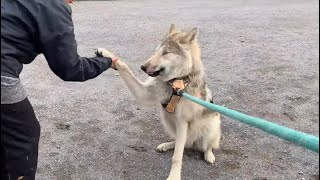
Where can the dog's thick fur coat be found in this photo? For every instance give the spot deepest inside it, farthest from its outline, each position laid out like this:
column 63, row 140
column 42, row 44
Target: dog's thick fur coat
column 191, row 125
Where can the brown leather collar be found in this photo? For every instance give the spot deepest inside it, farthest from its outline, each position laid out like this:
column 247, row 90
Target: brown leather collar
column 177, row 83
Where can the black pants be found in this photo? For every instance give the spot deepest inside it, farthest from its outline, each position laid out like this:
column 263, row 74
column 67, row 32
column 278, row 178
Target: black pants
column 20, row 132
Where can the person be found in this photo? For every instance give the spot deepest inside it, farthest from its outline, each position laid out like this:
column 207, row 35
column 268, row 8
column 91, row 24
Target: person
column 30, row 28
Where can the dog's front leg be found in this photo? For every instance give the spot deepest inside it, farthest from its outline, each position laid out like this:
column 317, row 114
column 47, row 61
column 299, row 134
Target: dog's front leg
column 181, row 138
column 142, row 91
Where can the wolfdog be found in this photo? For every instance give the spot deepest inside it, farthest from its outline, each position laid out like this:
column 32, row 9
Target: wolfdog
column 176, row 64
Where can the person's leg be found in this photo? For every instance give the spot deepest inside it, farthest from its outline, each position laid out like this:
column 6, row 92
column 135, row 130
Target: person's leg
column 20, row 132
column 4, row 171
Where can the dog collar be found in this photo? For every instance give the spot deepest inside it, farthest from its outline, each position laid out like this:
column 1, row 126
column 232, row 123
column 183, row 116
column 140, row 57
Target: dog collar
column 176, row 84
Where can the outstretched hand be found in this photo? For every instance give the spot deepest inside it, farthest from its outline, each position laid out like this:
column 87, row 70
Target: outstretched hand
column 114, row 61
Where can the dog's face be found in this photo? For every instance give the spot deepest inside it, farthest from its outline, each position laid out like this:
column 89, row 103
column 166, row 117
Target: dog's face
column 173, row 58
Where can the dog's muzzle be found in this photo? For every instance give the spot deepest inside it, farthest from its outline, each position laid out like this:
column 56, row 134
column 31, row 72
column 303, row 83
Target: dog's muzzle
column 151, row 71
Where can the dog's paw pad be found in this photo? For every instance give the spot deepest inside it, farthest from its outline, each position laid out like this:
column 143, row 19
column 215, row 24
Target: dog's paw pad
column 209, row 157
column 164, row 147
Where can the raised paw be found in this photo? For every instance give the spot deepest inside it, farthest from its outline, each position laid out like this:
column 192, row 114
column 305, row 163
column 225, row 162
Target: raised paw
column 103, row 53
column 165, row 146
column 209, row 157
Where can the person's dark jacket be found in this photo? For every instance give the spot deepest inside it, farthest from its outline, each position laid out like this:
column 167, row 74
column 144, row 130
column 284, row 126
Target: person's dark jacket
column 32, row 27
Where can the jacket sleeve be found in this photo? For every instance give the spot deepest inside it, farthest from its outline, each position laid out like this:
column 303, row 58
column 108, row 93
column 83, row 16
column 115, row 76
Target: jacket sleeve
column 57, row 43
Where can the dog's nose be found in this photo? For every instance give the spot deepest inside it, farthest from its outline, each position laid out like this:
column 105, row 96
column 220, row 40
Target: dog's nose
column 144, row 68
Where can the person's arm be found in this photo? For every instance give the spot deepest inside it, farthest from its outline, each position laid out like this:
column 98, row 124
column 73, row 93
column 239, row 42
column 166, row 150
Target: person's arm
column 58, row 44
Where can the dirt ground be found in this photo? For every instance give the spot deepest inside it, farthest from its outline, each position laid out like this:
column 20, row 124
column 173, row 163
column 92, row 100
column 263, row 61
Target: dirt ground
column 261, row 58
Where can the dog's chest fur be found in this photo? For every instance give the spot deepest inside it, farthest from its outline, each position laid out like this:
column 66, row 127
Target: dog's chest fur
column 184, row 106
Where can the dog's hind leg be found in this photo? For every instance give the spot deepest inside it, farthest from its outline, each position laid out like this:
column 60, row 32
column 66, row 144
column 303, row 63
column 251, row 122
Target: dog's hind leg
column 212, row 140
column 217, row 132
column 209, row 143
column 216, row 141
column 166, row 146
column 208, row 155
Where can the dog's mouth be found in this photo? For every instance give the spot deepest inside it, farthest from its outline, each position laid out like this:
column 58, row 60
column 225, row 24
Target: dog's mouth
column 156, row 73
column 151, row 71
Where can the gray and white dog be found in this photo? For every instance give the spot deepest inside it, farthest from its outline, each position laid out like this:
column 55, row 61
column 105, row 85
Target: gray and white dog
column 178, row 57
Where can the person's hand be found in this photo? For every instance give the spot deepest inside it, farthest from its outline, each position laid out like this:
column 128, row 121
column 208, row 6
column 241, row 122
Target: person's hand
column 114, row 63
column 69, row 1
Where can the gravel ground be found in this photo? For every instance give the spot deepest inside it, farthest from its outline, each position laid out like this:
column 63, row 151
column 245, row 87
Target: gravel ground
column 261, row 57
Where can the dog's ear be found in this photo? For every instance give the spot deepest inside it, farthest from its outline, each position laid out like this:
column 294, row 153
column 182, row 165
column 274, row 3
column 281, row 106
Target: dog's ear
column 192, row 35
column 172, row 29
